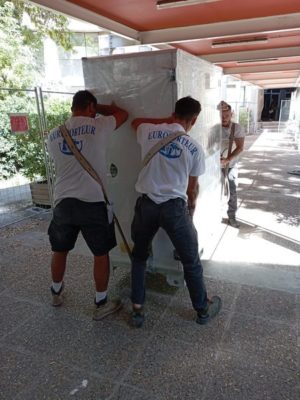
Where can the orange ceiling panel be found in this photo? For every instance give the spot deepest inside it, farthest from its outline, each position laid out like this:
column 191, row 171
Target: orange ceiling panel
column 204, row 47
column 143, row 15
column 285, row 60
column 196, row 27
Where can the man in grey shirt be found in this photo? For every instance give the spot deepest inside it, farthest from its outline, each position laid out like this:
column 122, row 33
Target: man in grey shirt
column 231, row 160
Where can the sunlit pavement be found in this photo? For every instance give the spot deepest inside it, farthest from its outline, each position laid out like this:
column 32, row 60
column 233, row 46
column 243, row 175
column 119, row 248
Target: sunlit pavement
column 249, row 352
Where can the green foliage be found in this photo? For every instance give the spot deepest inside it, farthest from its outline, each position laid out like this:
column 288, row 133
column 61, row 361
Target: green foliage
column 20, row 67
column 20, row 46
column 15, row 58
column 13, row 102
column 45, row 23
column 24, row 153
column 245, row 118
column 30, row 152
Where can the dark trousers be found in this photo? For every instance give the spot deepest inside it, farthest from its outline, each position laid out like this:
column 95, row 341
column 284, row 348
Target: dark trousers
column 174, row 218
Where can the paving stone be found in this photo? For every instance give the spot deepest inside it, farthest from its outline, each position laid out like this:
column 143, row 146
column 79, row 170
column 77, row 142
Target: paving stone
column 14, row 312
column 273, row 341
column 271, row 304
column 181, row 325
column 248, row 353
column 128, row 393
column 17, row 371
column 236, row 377
column 36, row 278
column 100, row 346
column 169, row 369
column 59, row 381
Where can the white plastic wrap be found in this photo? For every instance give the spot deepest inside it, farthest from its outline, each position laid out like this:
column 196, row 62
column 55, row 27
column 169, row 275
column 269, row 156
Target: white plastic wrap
column 148, row 84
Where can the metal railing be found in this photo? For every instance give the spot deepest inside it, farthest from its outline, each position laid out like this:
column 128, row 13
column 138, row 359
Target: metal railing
column 15, row 194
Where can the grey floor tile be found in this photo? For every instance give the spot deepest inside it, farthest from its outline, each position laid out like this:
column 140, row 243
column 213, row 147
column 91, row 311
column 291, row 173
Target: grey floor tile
column 236, row 377
column 180, row 323
column 128, row 393
column 274, row 342
column 47, row 335
column 272, row 304
column 36, row 280
column 168, row 369
column 298, row 311
column 2, row 286
column 31, row 238
column 59, row 382
column 13, row 263
column 17, row 372
column 105, row 347
column 14, row 312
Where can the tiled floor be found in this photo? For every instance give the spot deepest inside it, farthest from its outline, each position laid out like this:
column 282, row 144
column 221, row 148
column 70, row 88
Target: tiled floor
column 249, row 352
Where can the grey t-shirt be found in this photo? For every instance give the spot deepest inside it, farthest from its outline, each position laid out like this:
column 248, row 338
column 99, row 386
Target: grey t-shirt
column 238, row 133
column 90, row 136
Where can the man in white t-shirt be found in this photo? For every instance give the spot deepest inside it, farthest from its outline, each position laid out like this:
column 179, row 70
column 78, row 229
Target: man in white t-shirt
column 78, row 198
column 231, row 161
column 169, row 188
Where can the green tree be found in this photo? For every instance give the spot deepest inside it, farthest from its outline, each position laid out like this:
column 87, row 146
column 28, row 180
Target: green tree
column 20, row 67
column 29, row 150
column 20, row 46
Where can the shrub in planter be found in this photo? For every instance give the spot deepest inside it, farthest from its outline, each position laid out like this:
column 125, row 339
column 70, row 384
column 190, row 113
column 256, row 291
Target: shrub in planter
column 24, row 153
column 29, row 146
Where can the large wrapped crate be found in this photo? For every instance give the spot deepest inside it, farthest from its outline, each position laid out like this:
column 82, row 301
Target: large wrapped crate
column 148, row 84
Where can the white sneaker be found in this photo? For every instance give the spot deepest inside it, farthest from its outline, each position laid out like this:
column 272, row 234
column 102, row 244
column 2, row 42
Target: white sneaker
column 57, row 297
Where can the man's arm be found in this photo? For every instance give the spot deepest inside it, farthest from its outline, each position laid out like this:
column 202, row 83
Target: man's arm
column 192, row 193
column 239, row 143
column 117, row 112
column 138, row 121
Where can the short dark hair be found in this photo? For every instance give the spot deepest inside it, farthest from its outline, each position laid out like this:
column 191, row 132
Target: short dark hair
column 187, row 108
column 82, row 99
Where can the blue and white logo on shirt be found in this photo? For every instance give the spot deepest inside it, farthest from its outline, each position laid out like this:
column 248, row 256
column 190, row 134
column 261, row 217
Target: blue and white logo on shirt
column 171, row 150
column 175, row 148
column 64, row 148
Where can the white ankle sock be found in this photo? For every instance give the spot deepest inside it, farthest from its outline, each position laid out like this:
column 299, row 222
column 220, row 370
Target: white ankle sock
column 56, row 286
column 100, row 296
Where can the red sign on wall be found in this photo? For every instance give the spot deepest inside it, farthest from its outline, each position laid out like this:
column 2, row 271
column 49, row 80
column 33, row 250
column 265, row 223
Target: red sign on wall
column 19, row 123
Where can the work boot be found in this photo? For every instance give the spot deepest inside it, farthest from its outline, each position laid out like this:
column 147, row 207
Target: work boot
column 137, row 317
column 214, row 307
column 233, row 222
column 106, row 307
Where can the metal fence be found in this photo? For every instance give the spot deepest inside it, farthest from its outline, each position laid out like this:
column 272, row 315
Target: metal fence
column 16, row 197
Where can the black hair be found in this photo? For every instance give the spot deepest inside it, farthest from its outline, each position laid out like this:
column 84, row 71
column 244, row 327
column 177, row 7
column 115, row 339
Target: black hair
column 82, row 99
column 187, row 108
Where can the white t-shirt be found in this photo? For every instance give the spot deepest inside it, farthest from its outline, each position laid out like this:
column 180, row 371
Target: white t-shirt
column 90, row 136
column 166, row 175
column 238, row 133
